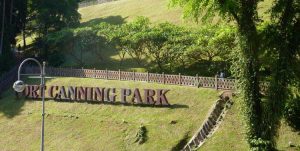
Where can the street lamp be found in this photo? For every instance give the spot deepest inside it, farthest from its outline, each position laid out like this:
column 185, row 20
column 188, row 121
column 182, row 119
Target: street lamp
column 19, row 86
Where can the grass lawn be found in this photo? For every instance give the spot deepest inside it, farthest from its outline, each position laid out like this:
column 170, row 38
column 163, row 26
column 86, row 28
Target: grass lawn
column 122, row 11
column 84, row 126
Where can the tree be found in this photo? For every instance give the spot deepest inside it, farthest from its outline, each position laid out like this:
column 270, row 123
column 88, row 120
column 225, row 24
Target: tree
column 211, row 42
column 11, row 25
column 2, row 26
column 155, row 40
column 179, row 40
column 116, row 35
column 134, row 40
column 59, row 42
column 49, row 16
column 165, row 43
column 284, row 26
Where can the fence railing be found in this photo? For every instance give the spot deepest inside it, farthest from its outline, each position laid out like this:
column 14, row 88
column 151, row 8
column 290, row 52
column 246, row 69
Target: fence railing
column 95, row 2
column 7, row 79
column 197, row 81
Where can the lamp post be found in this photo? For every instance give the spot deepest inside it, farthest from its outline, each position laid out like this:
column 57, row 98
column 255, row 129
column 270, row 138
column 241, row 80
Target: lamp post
column 19, row 86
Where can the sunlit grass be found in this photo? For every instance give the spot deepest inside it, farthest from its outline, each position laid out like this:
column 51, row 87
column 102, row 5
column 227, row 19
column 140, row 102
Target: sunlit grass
column 84, row 126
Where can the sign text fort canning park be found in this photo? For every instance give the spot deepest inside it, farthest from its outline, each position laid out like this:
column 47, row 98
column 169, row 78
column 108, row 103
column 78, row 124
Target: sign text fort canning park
column 98, row 94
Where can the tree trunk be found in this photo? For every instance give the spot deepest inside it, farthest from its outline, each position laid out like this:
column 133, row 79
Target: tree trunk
column 251, row 90
column 11, row 11
column 122, row 56
column 250, row 69
column 2, row 28
column 24, row 36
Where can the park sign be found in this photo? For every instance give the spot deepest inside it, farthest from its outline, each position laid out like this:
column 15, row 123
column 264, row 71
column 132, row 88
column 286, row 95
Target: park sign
column 99, row 94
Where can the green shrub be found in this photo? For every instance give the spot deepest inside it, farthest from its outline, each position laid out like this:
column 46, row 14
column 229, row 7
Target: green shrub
column 292, row 109
column 56, row 59
column 141, row 135
column 260, row 145
column 6, row 62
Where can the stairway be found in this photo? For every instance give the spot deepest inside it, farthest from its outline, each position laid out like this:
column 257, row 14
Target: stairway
column 211, row 123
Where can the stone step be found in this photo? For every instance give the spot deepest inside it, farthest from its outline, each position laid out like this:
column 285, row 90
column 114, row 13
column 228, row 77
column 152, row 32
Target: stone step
column 200, row 137
column 192, row 144
column 213, row 116
column 207, row 126
column 217, row 112
column 210, row 123
column 196, row 141
column 217, row 107
column 187, row 148
column 206, row 130
column 203, row 133
column 210, row 119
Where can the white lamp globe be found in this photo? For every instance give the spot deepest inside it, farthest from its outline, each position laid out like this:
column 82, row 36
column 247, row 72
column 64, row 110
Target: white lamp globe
column 19, row 86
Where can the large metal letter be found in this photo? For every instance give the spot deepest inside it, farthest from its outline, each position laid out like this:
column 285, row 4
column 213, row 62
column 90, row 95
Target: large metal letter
column 161, row 97
column 34, row 93
column 148, row 96
column 72, row 93
column 124, row 93
column 108, row 97
column 62, row 93
column 99, row 94
column 82, row 91
column 136, row 98
column 50, row 92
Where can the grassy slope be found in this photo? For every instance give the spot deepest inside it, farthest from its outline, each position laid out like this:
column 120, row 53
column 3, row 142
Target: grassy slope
column 102, row 126
column 86, row 134
column 126, row 10
column 120, row 12
column 232, row 133
column 123, row 11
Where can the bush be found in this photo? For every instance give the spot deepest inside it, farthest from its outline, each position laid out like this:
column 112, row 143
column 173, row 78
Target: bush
column 6, row 62
column 162, row 47
column 141, row 135
column 56, row 59
column 292, row 109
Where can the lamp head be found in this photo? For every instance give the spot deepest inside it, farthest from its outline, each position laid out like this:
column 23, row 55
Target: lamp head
column 19, row 86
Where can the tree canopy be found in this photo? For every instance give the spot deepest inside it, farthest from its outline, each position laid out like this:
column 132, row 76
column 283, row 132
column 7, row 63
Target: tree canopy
column 35, row 17
column 280, row 35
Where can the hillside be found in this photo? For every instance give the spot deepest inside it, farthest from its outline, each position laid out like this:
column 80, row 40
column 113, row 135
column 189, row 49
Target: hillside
column 84, row 126
column 122, row 11
column 125, row 10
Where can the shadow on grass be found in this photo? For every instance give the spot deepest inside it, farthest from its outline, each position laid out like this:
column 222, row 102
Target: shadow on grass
column 181, row 143
column 10, row 106
column 110, row 60
column 117, row 103
column 115, row 20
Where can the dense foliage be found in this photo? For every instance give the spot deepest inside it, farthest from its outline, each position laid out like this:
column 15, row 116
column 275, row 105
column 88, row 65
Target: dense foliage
column 280, row 37
column 292, row 108
column 161, row 47
column 33, row 17
column 13, row 15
